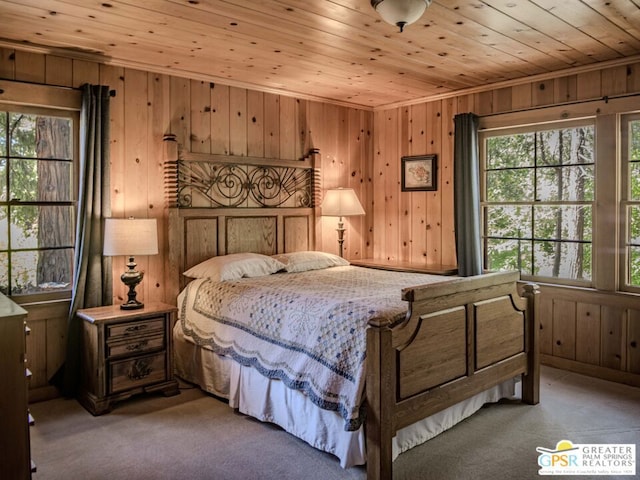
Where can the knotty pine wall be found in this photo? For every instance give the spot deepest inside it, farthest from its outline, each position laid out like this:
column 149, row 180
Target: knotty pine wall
column 205, row 117
column 591, row 332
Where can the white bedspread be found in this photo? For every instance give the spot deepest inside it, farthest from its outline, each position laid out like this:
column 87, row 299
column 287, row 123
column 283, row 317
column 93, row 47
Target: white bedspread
column 306, row 329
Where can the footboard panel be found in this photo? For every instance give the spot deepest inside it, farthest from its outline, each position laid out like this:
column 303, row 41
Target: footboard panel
column 459, row 338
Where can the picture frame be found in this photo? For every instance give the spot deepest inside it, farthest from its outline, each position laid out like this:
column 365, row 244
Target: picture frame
column 420, row 173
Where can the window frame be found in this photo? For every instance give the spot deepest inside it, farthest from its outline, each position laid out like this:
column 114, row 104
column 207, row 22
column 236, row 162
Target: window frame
column 625, row 202
column 552, row 124
column 62, row 111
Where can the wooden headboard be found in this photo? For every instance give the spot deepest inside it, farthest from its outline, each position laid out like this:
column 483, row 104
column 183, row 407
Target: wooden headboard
column 222, row 204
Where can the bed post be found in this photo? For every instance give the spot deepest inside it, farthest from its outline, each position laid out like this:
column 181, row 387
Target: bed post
column 171, row 268
column 380, row 383
column 531, row 381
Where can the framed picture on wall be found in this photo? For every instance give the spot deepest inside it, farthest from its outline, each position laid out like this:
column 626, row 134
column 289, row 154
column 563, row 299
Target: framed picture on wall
column 419, row 173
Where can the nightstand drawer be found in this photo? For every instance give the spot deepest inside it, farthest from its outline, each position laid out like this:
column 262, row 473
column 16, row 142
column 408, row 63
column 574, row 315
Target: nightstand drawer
column 136, row 345
column 145, row 327
column 136, row 372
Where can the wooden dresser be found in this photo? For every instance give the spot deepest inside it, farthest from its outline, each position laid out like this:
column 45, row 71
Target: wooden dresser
column 125, row 352
column 15, row 456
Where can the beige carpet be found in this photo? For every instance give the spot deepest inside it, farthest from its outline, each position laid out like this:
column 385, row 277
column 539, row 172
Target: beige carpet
column 195, row 436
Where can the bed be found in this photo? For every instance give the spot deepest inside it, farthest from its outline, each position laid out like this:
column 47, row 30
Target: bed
column 455, row 343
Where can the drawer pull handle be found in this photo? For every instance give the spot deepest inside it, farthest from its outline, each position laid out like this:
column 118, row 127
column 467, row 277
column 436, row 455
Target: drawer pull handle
column 136, row 328
column 137, row 346
column 139, row 370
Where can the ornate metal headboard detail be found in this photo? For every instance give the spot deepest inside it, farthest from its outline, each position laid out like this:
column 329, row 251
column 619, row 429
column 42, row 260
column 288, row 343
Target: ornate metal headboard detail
column 212, row 181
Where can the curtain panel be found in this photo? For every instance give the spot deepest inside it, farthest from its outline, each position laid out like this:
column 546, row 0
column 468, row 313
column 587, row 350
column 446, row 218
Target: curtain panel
column 466, row 166
column 92, row 282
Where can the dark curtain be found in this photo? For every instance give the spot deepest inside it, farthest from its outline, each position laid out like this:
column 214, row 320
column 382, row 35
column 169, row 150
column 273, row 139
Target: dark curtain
column 466, row 167
column 92, row 283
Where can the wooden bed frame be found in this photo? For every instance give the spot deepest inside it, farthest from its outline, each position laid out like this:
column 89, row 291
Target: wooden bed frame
column 460, row 337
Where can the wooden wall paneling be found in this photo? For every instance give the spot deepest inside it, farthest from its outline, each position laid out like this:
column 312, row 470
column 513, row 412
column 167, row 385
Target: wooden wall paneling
column 237, row 121
column 85, row 72
column 136, row 162
column 302, row 126
column 255, row 123
column 7, row 63
column 484, row 102
column 331, row 171
column 179, row 99
column 588, row 333
column 271, row 125
column 288, row 128
column 201, row 117
column 565, row 89
column 633, row 341
column 391, row 189
column 58, row 71
column 613, row 337
column 434, row 198
column 465, row 104
column 633, row 77
column 368, row 159
column 159, row 115
column 219, row 117
column 377, row 185
column 356, row 147
column 405, row 147
column 29, row 67
column 114, row 78
column 502, row 101
column 546, row 337
column 521, row 96
column 542, row 93
column 448, row 247
column 414, row 212
column 588, row 85
column 614, row 80
column 564, row 329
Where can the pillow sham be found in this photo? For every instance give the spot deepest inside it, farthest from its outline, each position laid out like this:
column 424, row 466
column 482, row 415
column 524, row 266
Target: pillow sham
column 235, row 266
column 309, row 260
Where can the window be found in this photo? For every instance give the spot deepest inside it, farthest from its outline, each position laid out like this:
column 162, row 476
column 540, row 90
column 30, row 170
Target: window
column 538, row 199
column 37, row 199
column 631, row 199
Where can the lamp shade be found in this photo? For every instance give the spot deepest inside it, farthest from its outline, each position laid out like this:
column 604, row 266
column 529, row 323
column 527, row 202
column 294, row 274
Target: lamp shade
column 400, row 12
column 341, row 202
column 130, row 236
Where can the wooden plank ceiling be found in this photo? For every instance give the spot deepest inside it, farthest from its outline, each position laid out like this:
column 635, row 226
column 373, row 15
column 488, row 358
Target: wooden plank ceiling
column 337, row 50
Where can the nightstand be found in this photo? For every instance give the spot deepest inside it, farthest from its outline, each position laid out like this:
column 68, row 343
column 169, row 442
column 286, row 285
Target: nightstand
column 125, row 352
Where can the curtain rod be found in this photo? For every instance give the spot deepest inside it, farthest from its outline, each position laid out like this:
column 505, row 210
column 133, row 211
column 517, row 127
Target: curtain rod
column 112, row 92
column 604, row 98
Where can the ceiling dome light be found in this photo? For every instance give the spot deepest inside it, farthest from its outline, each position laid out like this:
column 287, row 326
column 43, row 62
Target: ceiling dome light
column 400, row 12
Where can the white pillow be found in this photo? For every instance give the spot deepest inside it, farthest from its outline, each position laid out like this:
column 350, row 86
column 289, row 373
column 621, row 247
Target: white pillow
column 303, row 261
column 235, row 266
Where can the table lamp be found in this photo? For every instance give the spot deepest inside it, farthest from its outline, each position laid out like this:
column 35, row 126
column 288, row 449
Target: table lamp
column 132, row 236
column 341, row 202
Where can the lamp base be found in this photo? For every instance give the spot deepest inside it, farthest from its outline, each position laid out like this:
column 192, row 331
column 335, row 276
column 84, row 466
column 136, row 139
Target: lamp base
column 131, row 278
column 132, row 305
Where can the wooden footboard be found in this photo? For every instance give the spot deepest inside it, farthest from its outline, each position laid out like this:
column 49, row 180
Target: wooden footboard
column 460, row 337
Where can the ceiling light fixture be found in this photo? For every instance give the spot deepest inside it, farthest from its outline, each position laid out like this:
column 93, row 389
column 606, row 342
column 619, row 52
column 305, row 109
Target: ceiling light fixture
column 400, row 12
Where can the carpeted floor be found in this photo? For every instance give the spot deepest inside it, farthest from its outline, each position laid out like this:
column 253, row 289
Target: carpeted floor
column 195, row 436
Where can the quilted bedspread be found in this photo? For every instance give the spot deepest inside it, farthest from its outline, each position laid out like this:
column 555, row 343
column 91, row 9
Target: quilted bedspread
column 307, row 329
